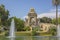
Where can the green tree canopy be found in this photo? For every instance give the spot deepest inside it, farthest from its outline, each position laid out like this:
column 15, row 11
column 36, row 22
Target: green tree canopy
column 54, row 21
column 45, row 20
column 3, row 15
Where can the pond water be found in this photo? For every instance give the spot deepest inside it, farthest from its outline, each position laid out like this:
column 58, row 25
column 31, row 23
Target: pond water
column 32, row 38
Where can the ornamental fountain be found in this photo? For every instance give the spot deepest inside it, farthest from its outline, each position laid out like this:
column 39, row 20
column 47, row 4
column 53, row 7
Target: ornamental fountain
column 12, row 31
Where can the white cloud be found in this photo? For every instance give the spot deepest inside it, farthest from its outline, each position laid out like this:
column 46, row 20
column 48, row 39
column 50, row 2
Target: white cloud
column 51, row 14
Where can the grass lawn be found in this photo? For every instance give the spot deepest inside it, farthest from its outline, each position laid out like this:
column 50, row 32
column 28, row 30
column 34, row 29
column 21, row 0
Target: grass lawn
column 27, row 33
column 23, row 33
column 3, row 33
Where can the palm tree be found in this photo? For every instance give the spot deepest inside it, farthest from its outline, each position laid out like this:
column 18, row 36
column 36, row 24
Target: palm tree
column 0, row 19
column 56, row 3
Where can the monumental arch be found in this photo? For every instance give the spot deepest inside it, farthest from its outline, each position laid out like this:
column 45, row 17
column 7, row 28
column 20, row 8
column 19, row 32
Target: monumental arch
column 32, row 18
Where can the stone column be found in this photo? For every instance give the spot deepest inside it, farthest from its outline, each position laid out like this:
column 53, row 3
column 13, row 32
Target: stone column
column 28, row 21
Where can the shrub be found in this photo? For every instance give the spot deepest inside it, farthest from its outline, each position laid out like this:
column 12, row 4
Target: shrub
column 27, row 28
column 53, row 30
column 7, row 34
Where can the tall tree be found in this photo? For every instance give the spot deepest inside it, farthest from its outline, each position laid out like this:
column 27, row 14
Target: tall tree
column 19, row 24
column 56, row 3
column 45, row 20
column 3, row 15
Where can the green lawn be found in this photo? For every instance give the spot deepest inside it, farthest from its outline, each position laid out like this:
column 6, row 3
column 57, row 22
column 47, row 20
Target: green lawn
column 27, row 33
column 23, row 33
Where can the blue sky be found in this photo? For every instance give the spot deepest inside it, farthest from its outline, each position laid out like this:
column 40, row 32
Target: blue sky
column 20, row 8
